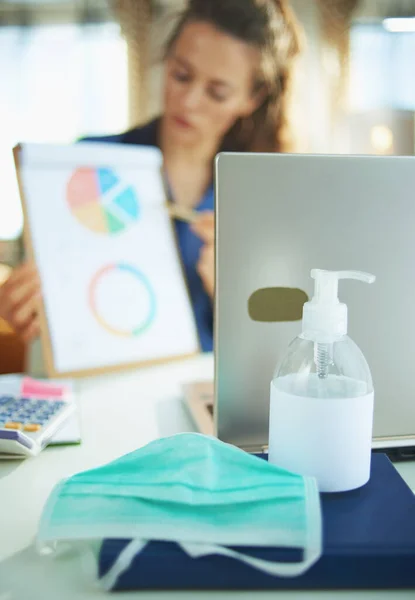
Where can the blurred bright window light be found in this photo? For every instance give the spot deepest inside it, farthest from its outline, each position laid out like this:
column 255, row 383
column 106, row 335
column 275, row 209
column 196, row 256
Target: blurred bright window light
column 381, row 68
column 63, row 81
column 381, row 138
column 400, row 24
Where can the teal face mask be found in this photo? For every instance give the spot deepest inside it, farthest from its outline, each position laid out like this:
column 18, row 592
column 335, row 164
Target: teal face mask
column 193, row 490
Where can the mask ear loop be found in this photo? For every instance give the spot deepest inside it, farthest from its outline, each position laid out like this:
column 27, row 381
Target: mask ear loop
column 122, row 564
column 279, row 569
column 313, row 545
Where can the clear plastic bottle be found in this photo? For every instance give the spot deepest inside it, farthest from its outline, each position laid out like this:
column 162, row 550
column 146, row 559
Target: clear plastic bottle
column 321, row 403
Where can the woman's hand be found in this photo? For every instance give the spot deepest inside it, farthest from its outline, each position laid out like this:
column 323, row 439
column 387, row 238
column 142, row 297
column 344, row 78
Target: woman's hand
column 204, row 227
column 19, row 301
column 206, row 268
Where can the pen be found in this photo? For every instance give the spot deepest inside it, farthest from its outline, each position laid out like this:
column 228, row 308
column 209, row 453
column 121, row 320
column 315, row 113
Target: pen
column 182, row 213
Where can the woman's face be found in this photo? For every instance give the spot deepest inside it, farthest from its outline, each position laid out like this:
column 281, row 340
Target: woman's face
column 208, row 84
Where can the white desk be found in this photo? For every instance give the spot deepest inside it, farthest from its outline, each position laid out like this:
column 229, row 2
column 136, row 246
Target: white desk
column 119, row 413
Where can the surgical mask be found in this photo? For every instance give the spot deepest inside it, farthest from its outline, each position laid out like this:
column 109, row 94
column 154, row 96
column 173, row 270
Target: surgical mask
column 194, row 490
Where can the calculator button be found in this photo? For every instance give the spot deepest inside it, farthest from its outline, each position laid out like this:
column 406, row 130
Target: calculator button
column 5, row 399
column 42, row 403
column 37, row 418
column 32, row 427
column 13, row 425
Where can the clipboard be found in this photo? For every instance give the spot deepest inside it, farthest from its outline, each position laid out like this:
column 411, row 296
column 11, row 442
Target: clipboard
column 52, row 369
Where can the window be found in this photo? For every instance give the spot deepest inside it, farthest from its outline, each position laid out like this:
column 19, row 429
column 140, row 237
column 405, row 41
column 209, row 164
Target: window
column 59, row 82
column 381, row 69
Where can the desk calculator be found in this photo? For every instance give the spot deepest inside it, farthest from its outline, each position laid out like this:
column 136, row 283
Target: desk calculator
column 28, row 424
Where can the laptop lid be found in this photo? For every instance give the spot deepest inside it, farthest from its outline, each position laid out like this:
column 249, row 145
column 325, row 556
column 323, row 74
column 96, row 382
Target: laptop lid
column 277, row 217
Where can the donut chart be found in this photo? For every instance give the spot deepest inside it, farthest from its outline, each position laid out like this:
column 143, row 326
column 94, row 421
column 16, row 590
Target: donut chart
column 100, row 201
column 130, row 291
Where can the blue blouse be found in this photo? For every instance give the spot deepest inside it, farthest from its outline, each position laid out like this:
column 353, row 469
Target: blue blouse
column 189, row 244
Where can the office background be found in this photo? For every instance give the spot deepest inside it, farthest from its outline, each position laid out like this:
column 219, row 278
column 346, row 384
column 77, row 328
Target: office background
column 70, row 68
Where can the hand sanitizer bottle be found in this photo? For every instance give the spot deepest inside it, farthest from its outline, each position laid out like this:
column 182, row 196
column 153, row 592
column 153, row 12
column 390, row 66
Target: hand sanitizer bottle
column 321, row 408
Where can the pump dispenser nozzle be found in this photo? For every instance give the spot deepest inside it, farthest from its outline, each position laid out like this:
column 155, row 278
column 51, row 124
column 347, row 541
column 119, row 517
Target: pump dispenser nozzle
column 324, row 317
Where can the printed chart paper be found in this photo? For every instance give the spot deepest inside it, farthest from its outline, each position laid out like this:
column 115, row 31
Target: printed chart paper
column 102, row 239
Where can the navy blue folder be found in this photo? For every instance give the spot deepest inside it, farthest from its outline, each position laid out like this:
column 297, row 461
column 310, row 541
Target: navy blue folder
column 368, row 539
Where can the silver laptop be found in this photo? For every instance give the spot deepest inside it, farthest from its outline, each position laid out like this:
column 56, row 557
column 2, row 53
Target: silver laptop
column 279, row 216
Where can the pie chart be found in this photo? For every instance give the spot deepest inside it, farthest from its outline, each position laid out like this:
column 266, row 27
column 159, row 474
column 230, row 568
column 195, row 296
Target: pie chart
column 100, row 201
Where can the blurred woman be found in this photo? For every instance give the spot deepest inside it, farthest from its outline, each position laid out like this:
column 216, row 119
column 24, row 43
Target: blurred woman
column 227, row 82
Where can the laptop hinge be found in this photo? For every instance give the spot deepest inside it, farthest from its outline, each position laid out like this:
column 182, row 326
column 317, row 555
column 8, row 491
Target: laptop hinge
column 256, row 449
column 397, row 441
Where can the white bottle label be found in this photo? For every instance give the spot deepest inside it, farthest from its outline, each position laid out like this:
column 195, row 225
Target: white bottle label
column 327, row 438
